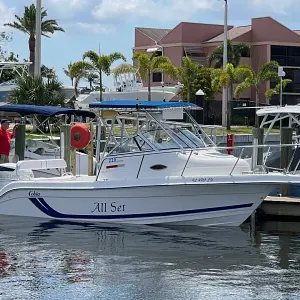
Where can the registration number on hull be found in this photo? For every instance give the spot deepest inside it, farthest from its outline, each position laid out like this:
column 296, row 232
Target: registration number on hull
column 202, row 179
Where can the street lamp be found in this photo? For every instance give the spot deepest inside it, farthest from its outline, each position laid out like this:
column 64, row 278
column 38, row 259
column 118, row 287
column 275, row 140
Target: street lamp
column 38, row 36
column 281, row 74
column 225, row 94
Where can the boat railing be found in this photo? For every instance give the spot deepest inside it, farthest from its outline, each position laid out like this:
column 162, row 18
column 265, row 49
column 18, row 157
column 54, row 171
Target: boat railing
column 283, row 158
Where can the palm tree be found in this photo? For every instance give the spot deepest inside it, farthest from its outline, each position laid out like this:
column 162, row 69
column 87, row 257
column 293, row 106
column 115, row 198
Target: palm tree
column 146, row 65
column 78, row 71
column 234, row 54
column 27, row 24
column 92, row 78
column 48, row 73
column 32, row 90
column 102, row 63
column 225, row 79
column 188, row 73
column 268, row 71
column 67, row 72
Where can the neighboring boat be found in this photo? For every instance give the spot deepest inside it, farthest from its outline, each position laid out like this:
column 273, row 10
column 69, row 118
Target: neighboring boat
column 38, row 149
column 128, row 87
column 159, row 174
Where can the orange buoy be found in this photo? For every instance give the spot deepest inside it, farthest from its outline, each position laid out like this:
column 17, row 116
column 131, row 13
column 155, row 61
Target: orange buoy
column 80, row 136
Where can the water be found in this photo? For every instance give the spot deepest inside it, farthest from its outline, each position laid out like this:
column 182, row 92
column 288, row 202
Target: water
column 53, row 260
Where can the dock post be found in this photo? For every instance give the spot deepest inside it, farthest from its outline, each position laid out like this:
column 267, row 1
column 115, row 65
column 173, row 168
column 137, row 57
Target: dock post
column 257, row 155
column 286, row 137
column 20, row 142
column 65, row 145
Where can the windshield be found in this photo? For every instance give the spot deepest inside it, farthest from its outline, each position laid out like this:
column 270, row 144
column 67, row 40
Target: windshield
column 189, row 138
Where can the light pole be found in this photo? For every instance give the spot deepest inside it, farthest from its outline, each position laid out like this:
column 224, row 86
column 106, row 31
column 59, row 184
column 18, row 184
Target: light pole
column 281, row 74
column 225, row 93
column 38, row 37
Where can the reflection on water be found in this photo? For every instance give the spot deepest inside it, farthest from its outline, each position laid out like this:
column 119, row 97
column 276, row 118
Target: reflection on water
column 55, row 260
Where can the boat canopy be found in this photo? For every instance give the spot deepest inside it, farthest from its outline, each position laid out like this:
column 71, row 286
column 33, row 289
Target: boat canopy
column 274, row 110
column 142, row 105
column 46, row 111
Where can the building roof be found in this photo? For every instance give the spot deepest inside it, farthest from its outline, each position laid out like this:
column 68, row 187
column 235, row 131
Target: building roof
column 156, row 34
column 297, row 31
column 233, row 33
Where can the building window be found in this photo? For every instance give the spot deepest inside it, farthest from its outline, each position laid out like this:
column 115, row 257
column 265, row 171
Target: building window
column 286, row 56
column 157, row 77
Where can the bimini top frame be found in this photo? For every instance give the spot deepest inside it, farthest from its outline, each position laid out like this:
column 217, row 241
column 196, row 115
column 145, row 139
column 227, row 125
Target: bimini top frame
column 20, row 69
column 151, row 128
column 273, row 114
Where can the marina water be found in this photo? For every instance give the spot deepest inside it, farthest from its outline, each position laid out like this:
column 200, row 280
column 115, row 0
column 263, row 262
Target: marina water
column 54, row 260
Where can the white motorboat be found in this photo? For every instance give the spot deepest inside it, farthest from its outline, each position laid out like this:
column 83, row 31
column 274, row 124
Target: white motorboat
column 159, row 174
column 128, row 87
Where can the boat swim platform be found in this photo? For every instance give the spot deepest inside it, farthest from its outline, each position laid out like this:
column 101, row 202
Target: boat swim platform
column 280, row 208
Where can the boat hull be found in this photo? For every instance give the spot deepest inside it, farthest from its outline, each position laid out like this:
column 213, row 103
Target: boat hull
column 206, row 205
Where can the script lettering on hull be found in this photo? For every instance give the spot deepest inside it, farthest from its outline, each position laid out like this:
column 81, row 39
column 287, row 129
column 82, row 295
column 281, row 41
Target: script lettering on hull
column 103, row 207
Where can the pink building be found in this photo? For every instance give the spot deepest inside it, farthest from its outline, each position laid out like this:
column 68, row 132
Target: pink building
column 269, row 40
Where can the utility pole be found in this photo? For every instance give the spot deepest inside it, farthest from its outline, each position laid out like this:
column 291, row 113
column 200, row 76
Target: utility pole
column 38, row 37
column 225, row 92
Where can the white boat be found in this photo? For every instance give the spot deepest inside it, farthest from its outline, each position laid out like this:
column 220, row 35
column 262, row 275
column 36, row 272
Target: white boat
column 128, row 87
column 158, row 175
column 40, row 149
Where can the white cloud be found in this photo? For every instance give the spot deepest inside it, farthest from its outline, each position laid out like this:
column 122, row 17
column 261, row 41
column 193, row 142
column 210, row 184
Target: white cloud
column 276, row 6
column 95, row 28
column 6, row 13
column 66, row 8
column 154, row 9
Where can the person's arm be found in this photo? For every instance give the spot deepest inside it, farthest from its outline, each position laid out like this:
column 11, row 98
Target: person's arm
column 13, row 134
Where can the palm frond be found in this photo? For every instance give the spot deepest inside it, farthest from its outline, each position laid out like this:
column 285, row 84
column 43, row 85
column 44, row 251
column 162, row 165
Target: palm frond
column 124, row 69
column 92, row 56
column 116, row 56
column 276, row 89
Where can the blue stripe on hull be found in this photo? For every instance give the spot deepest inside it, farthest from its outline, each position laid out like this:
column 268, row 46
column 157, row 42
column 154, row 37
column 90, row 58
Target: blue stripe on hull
column 41, row 204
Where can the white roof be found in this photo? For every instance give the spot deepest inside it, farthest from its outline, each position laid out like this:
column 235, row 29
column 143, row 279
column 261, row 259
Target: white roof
column 274, row 110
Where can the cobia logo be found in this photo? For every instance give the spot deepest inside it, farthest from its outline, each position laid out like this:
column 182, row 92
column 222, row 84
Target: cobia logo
column 34, row 194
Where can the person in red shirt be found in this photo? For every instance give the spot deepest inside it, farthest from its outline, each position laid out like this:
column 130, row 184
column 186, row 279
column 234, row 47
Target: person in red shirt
column 5, row 137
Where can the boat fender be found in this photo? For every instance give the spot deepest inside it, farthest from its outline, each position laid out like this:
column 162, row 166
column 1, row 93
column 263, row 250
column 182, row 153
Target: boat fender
column 80, row 136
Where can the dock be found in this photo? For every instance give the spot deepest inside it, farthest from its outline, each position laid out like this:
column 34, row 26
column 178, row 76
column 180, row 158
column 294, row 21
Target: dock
column 280, row 208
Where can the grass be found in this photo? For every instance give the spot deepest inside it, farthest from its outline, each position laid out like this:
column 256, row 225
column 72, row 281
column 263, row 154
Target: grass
column 117, row 132
column 243, row 130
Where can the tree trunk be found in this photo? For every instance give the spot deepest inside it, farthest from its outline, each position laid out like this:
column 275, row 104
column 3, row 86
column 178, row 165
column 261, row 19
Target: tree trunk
column 229, row 99
column 100, row 81
column 256, row 105
column 31, row 44
column 91, row 86
column 149, row 85
column 75, row 88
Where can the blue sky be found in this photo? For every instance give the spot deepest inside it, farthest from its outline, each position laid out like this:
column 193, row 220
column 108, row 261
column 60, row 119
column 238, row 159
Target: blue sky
column 111, row 23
